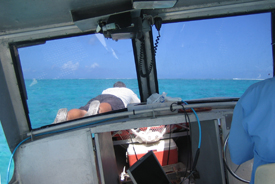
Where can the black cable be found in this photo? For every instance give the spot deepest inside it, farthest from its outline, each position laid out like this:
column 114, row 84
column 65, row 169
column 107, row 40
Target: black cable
column 147, row 72
column 225, row 163
column 197, row 152
column 172, row 110
column 169, row 146
column 189, row 143
column 193, row 169
column 187, row 119
column 186, row 115
column 156, row 44
column 133, row 145
column 158, row 23
column 196, row 159
column 187, row 177
column 171, row 106
column 141, row 57
column 237, row 168
column 189, row 155
column 196, row 156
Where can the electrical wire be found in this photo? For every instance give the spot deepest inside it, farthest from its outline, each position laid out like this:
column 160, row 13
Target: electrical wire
column 156, row 43
column 172, row 110
column 199, row 124
column 187, row 119
column 169, row 145
column 11, row 158
column 141, row 56
column 199, row 145
column 133, row 145
column 226, row 165
column 187, row 177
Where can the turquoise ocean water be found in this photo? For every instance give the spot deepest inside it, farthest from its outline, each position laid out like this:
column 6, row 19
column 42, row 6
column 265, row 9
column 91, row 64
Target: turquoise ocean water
column 45, row 97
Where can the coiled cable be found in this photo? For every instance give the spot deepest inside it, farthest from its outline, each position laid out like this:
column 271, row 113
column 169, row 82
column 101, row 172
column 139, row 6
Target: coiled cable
column 227, row 167
column 158, row 23
column 141, row 57
column 156, row 43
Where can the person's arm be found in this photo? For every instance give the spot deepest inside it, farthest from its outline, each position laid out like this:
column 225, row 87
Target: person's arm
column 240, row 143
column 135, row 99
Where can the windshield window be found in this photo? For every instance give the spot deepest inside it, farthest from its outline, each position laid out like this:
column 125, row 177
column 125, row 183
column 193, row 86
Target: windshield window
column 67, row 73
column 215, row 57
column 195, row 59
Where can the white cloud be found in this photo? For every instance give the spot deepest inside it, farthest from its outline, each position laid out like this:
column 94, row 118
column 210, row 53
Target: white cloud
column 70, row 66
column 94, row 65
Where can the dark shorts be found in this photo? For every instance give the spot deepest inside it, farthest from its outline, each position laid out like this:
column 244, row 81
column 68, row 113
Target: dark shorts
column 115, row 102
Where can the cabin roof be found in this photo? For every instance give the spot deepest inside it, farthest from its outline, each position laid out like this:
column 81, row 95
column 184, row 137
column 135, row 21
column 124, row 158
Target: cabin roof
column 37, row 15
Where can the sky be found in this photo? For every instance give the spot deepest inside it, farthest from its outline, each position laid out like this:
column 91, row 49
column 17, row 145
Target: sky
column 222, row 48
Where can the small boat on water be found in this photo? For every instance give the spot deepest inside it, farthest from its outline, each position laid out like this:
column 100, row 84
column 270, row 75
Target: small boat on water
column 105, row 148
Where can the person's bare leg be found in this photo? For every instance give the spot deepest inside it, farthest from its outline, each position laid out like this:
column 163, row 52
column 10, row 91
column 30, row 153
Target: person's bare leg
column 79, row 113
column 75, row 114
column 104, row 107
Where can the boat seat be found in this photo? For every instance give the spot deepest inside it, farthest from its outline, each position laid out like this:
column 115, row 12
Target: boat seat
column 265, row 174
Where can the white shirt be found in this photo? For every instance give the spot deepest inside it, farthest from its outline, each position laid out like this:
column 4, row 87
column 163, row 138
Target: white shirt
column 125, row 94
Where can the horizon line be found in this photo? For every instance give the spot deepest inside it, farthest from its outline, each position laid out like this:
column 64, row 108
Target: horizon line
column 158, row 78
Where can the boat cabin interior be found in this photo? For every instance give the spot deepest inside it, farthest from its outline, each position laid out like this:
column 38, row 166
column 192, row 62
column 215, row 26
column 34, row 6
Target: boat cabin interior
column 188, row 138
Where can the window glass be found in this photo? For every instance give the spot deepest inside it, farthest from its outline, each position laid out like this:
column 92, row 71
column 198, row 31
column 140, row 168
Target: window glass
column 67, row 73
column 214, row 57
column 195, row 59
